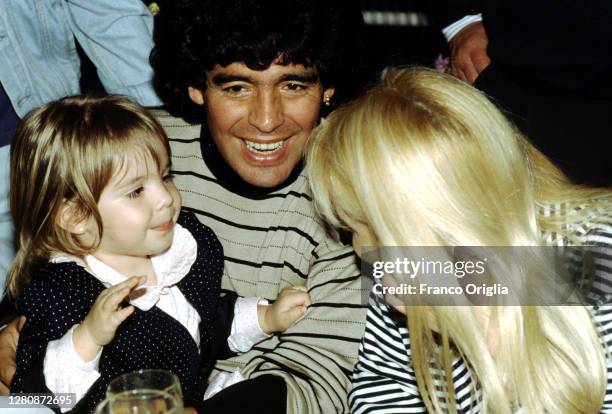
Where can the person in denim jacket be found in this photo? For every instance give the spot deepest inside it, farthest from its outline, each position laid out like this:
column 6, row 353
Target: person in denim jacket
column 39, row 63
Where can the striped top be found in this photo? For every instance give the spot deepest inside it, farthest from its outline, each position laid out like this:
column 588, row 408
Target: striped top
column 383, row 379
column 272, row 240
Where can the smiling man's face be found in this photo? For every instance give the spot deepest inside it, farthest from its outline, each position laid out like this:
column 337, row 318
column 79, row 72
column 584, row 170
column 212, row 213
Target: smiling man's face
column 260, row 119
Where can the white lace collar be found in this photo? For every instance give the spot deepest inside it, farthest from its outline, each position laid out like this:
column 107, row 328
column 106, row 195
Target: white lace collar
column 170, row 267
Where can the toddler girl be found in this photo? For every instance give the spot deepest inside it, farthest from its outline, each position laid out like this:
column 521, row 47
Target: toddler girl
column 110, row 274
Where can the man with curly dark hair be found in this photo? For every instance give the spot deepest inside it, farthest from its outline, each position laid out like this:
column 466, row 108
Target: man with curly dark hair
column 252, row 78
column 192, row 37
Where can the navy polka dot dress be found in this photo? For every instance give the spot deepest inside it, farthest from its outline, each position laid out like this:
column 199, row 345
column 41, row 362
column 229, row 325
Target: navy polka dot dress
column 61, row 294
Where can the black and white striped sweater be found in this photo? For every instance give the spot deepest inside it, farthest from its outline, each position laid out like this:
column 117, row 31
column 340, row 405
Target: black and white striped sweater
column 271, row 240
column 384, row 380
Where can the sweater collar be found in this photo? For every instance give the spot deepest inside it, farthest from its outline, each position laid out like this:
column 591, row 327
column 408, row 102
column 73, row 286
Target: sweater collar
column 170, row 267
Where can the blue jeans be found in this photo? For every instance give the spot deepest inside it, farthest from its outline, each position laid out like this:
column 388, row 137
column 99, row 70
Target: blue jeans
column 7, row 249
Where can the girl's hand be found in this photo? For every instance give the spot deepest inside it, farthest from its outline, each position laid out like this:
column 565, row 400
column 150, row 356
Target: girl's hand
column 105, row 316
column 290, row 306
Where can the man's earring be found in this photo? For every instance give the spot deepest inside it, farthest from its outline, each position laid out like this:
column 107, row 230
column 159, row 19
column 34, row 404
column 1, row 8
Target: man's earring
column 327, row 100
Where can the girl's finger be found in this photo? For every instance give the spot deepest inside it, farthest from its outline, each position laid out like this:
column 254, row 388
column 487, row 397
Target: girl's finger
column 122, row 314
column 115, row 294
column 297, row 299
column 130, row 283
column 112, row 301
column 296, row 314
column 292, row 290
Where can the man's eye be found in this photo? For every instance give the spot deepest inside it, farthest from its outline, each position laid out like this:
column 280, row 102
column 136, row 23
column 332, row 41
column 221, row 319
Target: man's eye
column 136, row 193
column 295, row 87
column 234, row 89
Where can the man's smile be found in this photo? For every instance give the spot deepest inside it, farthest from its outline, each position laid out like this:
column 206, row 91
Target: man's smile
column 264, row 148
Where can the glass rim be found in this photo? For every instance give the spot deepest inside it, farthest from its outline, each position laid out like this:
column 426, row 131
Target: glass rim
column 123, row 380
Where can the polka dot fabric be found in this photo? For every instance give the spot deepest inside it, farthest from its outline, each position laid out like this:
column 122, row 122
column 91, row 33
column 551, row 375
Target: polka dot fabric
column 61, row 294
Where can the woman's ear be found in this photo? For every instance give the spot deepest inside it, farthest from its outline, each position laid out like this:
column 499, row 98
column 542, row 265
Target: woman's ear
column 196, row 95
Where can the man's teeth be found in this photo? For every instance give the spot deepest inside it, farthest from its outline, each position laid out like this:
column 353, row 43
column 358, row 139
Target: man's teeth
column 256, row 146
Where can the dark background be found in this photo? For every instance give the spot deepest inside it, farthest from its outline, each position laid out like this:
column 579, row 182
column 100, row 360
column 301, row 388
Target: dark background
column 395, row 32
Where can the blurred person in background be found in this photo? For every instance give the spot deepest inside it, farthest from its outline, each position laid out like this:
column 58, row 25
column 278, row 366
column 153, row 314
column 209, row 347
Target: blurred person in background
column 548, row 64
column 39, row 63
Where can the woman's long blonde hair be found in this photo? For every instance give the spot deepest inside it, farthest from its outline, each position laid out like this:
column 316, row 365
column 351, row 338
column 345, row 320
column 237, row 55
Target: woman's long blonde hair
column 66, row 152
column 423, row 159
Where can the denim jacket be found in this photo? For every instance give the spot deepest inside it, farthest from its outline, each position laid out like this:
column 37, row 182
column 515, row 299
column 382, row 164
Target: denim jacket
column 39, row 63
column 38, row 56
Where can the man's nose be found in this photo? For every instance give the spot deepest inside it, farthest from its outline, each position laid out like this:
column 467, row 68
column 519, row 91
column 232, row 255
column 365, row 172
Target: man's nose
column 266, row 112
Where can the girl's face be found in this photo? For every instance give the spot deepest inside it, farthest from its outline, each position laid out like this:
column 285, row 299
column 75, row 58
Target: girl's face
column 139, row 208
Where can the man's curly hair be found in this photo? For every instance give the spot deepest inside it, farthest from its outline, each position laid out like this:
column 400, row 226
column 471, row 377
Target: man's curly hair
column 192, row 36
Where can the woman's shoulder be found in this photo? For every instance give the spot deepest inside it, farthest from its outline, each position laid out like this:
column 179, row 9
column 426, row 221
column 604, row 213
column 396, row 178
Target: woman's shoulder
column 589, row 249
column 596, row 228
column 601, row 315
column 387, row 325
column 583, row 222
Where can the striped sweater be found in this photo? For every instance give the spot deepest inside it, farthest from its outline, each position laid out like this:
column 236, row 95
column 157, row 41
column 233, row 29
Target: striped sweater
column 384, row 381
column 272, row 240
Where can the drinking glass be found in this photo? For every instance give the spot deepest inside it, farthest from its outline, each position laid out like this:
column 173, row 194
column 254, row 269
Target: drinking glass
column 140, row 401
column 103, row 407
column 147, row 379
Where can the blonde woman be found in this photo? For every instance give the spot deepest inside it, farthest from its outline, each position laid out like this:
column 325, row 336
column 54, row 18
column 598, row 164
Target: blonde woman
column 422, row 159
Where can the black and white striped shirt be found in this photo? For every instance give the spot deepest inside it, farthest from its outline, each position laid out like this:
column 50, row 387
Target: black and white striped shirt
column 384, row 380
column 272, row 240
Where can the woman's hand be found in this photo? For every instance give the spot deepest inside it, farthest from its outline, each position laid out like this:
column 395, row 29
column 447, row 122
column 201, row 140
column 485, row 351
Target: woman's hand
column 290, row 306
column 105, row 316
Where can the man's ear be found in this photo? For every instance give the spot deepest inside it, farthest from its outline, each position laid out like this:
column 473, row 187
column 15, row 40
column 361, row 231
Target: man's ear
column 329, row 93
column 71, row 219
column 196, row 95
